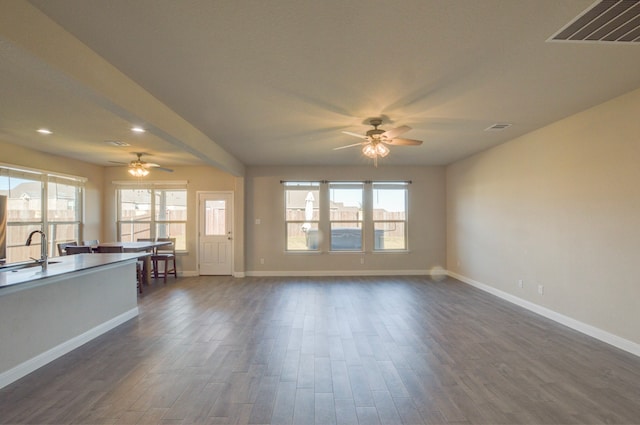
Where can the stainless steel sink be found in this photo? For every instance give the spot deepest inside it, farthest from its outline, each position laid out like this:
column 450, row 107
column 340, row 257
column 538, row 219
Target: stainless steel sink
column 21, row 266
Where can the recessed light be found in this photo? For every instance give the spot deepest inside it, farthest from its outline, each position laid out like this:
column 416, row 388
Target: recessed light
column 44, row 131
column 138, row 129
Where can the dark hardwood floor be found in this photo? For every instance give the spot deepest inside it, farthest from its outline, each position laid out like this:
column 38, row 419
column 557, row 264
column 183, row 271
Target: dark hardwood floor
column 354, row 350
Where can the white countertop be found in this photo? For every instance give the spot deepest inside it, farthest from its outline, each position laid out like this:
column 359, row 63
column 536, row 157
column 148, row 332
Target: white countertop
column 58, row 267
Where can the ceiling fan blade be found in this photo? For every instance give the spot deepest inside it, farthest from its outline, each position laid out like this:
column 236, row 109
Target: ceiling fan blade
column 394, row 132
column 156, row 167
column 118, row 162
column 350, row 146
column 361, row 136
column 403, row 142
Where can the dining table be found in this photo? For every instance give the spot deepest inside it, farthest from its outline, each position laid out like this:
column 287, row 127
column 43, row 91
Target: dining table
column 139, row 246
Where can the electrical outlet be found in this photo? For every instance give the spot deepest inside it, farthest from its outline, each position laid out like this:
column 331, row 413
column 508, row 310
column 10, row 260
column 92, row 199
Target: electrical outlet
column 520, row 284
column 541, row 289
column 361, row 260
column 258, row 221
column 262, row 261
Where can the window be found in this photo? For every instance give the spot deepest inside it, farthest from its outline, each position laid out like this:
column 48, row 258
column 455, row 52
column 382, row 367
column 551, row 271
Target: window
column 39, row 200
column 152, row 212
column 357, row 216
column 302, row 215
column 64, row 210
column 215, row 221
column 389, row 216
column 345, row 216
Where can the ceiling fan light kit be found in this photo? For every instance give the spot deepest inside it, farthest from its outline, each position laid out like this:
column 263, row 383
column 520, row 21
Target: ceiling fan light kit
column 374, row 150
column 140, row 168
column 138, row 171
column 374, row 146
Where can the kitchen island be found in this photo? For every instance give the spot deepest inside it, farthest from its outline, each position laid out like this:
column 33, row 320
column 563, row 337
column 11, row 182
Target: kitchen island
column 46, row 314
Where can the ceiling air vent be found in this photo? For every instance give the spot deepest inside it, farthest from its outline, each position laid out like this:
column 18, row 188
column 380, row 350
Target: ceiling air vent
column 497, row 127
column 116, row 143
column 609, row 21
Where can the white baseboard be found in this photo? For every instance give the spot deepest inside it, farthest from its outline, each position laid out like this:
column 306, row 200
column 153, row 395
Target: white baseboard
column 592, row 331
column 50, row 355
column 195, row 273
column 301, row 273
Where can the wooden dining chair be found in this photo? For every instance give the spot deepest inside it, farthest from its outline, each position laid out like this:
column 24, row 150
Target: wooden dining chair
column 73, row 249
column 167, row 256
column 153, row 251
column 103, row 249
column 146, row 240
column 63, row 245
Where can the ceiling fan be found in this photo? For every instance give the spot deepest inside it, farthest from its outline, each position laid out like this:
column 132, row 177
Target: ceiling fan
column 376, row 139
column 140, row 168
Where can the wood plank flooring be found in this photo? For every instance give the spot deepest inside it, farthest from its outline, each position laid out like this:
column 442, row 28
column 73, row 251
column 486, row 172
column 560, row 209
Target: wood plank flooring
column 355, row 350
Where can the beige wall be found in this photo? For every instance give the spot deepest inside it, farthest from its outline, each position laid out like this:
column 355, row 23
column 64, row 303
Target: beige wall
column 18, row 155
column 559, row 207
column 265, row 201
column 198, row 179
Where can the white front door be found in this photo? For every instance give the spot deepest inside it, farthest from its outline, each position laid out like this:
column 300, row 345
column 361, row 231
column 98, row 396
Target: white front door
column 215, row 244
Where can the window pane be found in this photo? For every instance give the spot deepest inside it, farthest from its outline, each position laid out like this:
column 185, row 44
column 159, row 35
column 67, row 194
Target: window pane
column 390, row 215
column 24, row 201
column 59, row 233
column 62, row 202
column 174, row 230
column 302, row 205
column 346, row 202
column 389, row 236
column 215, row 217
column 131, row 231
column 171, row 205
column 302, row 212
column 135, row 204
column 302, row 237
column 389, row 204
column 346, row 236
column 17, row 237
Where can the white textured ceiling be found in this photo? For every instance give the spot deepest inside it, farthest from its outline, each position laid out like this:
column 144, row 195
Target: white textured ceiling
column 276, row 81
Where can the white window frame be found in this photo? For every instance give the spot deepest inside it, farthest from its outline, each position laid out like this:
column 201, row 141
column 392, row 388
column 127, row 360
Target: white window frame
column 153, row 222
column 366, row 221
column 45, row 177
column 302, row 187
column 395, row 186
column 360, row 220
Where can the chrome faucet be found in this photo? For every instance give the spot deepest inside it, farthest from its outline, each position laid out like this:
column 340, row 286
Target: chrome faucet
column 44, row 260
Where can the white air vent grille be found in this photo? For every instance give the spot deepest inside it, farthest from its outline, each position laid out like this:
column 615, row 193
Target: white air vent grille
column 117, row 143
column 497, row 127
column 611, row 21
